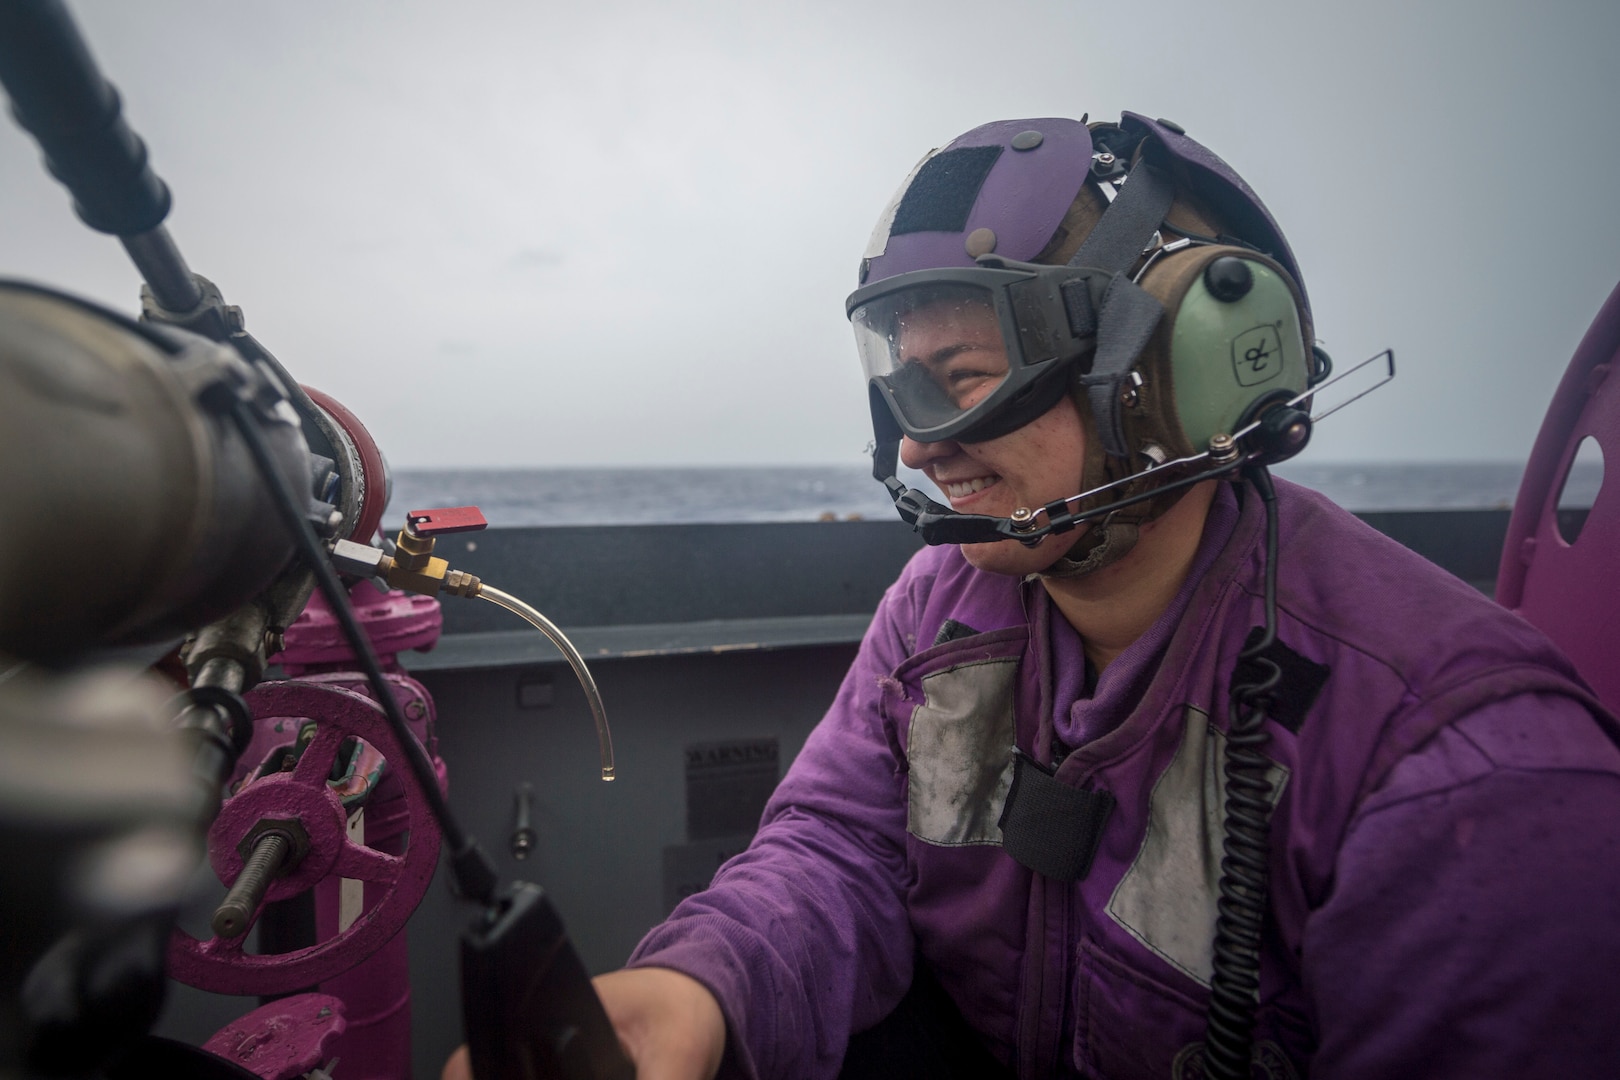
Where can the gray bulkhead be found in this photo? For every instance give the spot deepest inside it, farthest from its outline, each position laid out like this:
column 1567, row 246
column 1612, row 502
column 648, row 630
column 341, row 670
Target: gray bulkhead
column 716, row 648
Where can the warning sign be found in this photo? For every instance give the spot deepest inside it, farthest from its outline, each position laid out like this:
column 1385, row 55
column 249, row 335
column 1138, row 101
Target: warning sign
column 727, row 784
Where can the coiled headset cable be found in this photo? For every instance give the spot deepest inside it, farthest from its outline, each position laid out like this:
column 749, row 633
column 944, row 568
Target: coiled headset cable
column 1245, row 864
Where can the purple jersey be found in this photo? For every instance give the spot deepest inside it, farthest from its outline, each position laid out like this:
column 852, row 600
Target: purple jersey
column 1445, row 866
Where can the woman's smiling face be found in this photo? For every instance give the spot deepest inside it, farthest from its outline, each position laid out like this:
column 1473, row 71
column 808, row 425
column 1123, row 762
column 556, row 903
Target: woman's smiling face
column 959, row 345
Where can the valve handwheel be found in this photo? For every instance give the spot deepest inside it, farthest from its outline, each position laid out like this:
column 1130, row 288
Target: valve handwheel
column 301, row 808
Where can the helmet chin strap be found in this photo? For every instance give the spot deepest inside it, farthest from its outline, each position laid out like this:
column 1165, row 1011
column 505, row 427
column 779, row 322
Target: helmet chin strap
column 1105, row 543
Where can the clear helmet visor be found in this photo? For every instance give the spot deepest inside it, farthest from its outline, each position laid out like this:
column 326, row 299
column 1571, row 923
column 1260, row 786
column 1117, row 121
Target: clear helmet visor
column 936, row 351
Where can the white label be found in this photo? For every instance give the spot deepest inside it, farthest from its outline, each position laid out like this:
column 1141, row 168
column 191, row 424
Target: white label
column 352, row 893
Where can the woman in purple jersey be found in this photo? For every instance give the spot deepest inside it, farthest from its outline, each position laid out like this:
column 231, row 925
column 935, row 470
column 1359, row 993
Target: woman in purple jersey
column 1150, row 766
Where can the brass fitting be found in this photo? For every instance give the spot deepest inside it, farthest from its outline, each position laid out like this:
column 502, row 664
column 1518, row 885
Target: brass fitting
column 426, row 581
column 413, row 552
column 415, row 569
column 459, row 583
column 413, row 566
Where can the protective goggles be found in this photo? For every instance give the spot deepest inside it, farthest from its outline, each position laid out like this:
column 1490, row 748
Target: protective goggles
column 971, row 353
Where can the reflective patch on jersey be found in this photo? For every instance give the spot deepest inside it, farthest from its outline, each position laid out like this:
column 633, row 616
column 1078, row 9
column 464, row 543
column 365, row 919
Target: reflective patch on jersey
column 960, row 754
column 1166, row 900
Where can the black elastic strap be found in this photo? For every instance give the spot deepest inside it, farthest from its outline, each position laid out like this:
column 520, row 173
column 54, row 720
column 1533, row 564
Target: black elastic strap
column 1302, row 680
column 1128, row 314
column 1129, row 317
column 1050, row 827
column 1130, row 221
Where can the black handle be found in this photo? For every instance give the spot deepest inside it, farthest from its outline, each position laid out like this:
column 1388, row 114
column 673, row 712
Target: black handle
column 530, row 1010
column 59, row 96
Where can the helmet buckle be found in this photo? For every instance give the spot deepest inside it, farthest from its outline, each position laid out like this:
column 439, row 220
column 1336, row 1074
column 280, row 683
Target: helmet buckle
column 1130, row 397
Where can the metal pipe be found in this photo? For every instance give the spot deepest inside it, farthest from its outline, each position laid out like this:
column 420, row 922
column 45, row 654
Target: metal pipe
column 262, row 866
column 164, row 268
column 225, row 672
column 213, row 726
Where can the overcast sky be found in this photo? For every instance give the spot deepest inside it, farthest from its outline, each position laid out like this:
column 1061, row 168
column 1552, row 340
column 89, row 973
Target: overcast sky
column 621, row 232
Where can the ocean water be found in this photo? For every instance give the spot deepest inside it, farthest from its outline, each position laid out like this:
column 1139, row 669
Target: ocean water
column 654, row 495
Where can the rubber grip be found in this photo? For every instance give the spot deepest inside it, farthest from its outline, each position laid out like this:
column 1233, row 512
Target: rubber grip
column 59, row 96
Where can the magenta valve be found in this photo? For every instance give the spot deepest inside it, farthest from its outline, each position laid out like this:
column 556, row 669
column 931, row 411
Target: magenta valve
column 235, row 913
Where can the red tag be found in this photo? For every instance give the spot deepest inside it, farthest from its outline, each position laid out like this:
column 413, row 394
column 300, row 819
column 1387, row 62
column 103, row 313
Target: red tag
column 452, row 519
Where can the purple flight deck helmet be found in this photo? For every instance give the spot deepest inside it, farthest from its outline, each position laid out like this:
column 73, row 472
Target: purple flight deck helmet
column 1004, row 187
column 964, row 230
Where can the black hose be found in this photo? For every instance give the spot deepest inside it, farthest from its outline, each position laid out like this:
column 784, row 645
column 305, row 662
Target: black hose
column 59, row 96
column 1235, row 984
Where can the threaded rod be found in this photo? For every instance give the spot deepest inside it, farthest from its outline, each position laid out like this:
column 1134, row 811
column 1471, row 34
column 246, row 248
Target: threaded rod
column 262, row 866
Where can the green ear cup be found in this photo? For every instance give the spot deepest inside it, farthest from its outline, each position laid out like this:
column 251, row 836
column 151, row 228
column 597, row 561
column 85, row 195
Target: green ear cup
column 1225, row 354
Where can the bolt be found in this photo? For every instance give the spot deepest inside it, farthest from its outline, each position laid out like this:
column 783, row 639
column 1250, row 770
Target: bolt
column 523, row 837
column 1222, row 449
column 1023, row 519
column 979, row 242
column 235, row 913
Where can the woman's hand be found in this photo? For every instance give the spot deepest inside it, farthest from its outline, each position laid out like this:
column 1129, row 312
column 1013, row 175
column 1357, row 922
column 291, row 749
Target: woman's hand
column 669, row 1024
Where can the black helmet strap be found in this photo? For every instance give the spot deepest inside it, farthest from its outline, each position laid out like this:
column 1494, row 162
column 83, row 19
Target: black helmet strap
column 1129, row 315
column 1128, row 318
column 1126, row 228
